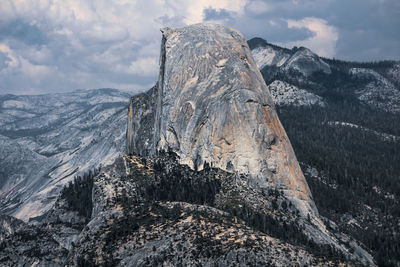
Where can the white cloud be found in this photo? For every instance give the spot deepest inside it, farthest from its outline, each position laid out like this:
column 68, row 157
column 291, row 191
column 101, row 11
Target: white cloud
column 85, row 39
column 87, row 43
column 323, row 41
column 144, row 66
column 13, row 62
column 100, row 33
column 35, row 72
column 258, row 7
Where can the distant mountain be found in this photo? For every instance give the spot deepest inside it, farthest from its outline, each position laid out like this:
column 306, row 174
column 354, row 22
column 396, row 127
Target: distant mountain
column 46, row 140
column 343, row 120
column 375, row 84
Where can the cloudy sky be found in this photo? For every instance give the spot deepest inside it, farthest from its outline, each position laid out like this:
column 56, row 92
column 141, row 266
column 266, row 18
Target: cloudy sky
column 63, row 45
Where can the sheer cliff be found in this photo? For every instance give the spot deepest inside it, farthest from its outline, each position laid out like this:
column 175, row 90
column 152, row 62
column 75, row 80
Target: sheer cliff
column 213, row 106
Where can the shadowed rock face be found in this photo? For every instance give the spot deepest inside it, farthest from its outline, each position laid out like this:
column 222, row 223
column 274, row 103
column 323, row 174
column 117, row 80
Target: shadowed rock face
column 212, row 105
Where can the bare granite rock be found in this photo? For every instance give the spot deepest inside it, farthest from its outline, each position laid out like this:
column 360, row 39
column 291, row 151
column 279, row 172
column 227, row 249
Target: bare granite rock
column 213, row 106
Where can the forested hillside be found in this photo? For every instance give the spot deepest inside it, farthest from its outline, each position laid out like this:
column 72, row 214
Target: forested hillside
column 349, row 148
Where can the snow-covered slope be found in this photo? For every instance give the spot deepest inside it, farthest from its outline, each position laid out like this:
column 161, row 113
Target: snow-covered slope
column 285, row 94
column 48, row 139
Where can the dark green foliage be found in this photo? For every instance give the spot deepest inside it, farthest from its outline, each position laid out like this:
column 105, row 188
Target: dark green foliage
column 355, row 161
column 175, row 182
column 288, row 231
column 86, row 260
column 78, row 194
column 184, row 185
column 345, row 65
column 351, row 157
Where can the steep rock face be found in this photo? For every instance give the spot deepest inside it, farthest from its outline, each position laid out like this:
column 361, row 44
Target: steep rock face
column 213, row 106
column 140, row 126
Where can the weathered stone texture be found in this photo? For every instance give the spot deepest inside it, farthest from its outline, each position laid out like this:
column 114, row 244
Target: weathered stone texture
column 212, row 105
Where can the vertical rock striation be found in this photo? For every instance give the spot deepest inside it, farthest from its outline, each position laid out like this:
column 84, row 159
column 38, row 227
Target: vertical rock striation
column 212, row 105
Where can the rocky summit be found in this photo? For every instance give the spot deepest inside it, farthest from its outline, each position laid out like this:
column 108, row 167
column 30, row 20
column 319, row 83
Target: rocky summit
column 210, row 178
column 212, row 106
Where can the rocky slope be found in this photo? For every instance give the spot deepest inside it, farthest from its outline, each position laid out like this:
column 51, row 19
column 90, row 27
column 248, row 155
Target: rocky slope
column 376, row 84
column 213, row 106
column 297, row 60
column 48, row 139
column 155, row 211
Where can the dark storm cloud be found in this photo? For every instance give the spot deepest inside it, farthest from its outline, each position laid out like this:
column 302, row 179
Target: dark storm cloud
column 367, row 29
column 22, row 31
column 50, row 46
column 257, row 26
column 214, row 14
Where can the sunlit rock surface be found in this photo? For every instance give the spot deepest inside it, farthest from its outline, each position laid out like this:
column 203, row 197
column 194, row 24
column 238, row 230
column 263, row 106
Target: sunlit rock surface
column 213, row 106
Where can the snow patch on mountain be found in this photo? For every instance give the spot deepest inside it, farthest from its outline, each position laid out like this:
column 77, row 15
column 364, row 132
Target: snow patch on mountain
column 16, row 104
column 380, row 92
column 285, row 94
